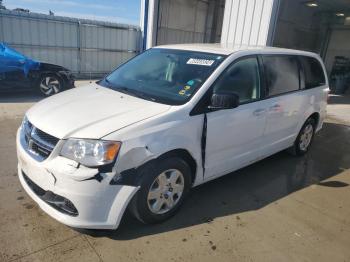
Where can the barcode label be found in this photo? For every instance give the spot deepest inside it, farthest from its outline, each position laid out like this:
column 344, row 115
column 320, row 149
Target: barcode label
column 203, row 62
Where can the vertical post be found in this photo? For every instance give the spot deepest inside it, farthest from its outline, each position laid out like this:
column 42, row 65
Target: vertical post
column 273, row 22
column 2, row 28
column 143, row 23
column 149, row 22
column 195, row 22
column 79, row 46
column 325, row 44
column 215, row 21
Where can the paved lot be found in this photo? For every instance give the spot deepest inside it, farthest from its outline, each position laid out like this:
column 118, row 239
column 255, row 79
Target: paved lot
column 280, row 209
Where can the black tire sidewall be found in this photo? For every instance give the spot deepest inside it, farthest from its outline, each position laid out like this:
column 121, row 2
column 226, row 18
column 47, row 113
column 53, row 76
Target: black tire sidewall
column 148, row 174
column 297, row 149
column 41, row 78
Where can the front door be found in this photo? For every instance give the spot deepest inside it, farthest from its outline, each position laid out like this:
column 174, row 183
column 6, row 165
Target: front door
column 234, row 136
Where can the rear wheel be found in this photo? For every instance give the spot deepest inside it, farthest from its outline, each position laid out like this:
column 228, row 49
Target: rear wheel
column 164, row 186
column 50, row 84
column 305, row 138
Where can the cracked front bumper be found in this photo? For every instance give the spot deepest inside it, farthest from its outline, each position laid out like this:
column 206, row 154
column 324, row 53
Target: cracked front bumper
column 99, row 205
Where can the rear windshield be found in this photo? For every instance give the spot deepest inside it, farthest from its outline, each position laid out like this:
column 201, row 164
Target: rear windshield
column 164, row 75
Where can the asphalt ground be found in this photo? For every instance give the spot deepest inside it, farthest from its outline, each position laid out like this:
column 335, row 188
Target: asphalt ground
column 282, row 208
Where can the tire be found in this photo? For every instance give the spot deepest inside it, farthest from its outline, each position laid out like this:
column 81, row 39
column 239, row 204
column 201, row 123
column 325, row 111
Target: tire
column 144, row 204
column 304, row 139
column 50, row 84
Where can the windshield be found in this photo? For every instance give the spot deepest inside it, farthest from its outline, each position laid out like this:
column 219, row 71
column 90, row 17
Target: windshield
column 163, row 75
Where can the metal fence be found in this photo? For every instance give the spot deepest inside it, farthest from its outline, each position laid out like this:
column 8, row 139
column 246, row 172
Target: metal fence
column 88, row 48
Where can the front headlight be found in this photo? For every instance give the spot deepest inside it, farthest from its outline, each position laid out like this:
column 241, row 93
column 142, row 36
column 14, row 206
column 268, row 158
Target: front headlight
column 26, row 125
column 90, row 152
column 24, row 120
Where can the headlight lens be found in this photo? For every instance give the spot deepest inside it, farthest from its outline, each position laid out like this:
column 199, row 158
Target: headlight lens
column 26, row 125
column 24, row 120
column 91, row 152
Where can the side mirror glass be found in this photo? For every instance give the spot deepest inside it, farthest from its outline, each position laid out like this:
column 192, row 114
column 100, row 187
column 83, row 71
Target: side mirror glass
column 224, row 101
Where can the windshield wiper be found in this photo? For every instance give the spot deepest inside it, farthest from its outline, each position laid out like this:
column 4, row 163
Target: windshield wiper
column 129, row 91
column 133, row 92
column 108, row 82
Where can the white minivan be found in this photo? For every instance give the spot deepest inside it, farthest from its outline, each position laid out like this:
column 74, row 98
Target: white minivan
column 168, row 120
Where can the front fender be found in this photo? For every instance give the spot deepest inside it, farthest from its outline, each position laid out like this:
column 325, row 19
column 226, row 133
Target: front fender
column 141, row 144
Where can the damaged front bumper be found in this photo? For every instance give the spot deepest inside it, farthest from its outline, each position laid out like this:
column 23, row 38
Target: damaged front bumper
column 71, row 193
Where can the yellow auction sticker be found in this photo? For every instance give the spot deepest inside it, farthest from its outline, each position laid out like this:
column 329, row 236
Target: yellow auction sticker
column 187, row 87
column 182, row 92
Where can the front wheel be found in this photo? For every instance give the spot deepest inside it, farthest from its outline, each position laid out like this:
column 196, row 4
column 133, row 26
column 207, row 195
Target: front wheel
column 50, row 84
column 163, row 187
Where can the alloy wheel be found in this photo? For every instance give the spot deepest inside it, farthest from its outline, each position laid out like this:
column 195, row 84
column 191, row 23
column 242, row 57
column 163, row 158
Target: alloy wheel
column 165, row 191
column 306, row 137
column 50, row 85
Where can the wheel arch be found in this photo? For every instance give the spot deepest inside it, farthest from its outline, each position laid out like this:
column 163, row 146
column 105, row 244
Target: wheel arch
column 186, row 156
column 311, row 113
column 132, row 176
column 316, row 117
column 47, row 73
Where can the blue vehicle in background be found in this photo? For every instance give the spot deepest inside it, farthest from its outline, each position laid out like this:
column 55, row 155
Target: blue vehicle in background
column 20, row 73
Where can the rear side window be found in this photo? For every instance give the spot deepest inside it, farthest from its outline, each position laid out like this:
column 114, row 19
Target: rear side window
column 282, row 74
column 313, row 72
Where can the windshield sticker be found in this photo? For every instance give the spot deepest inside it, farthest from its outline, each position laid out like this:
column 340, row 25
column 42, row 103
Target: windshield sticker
column 187, row 88
column 202, row 62
column 182, row 92
column 191, row 82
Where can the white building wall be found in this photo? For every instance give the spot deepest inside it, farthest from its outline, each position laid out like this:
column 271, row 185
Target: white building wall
column 247, row 21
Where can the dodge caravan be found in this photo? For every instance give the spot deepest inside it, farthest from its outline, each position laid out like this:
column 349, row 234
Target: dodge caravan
column 167, row 120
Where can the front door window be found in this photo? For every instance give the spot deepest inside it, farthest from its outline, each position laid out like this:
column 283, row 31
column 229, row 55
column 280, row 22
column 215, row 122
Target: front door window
column 241, row 78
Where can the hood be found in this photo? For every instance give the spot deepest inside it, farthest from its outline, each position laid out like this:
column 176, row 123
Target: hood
column 90, row 112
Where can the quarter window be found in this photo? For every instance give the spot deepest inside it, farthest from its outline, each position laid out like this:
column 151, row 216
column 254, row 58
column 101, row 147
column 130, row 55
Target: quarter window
column 282, row 74
column 241, row 78
column 313, row 72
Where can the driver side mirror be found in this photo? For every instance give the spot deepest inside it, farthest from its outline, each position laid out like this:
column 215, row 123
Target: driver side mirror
column 224, row 101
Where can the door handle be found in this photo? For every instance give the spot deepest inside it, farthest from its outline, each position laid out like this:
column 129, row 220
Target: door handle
column 259, row 112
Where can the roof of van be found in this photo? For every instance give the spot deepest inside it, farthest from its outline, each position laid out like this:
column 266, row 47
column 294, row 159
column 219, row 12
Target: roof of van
column 227, row 49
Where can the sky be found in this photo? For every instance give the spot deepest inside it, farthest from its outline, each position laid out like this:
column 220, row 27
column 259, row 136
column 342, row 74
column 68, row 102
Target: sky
column 120, row 11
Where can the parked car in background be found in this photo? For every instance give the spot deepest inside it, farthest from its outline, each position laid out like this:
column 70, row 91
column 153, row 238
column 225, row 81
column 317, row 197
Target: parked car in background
column 167, row 120
column 20, row 73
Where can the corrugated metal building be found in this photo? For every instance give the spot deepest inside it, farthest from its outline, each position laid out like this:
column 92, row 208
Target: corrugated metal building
column 88, row 48
column 203, row 21
column 95, row 48
column 320, row 26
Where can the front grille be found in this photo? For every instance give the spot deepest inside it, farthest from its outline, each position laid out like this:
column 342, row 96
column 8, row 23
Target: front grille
column 58, row 202
column 38, row 143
